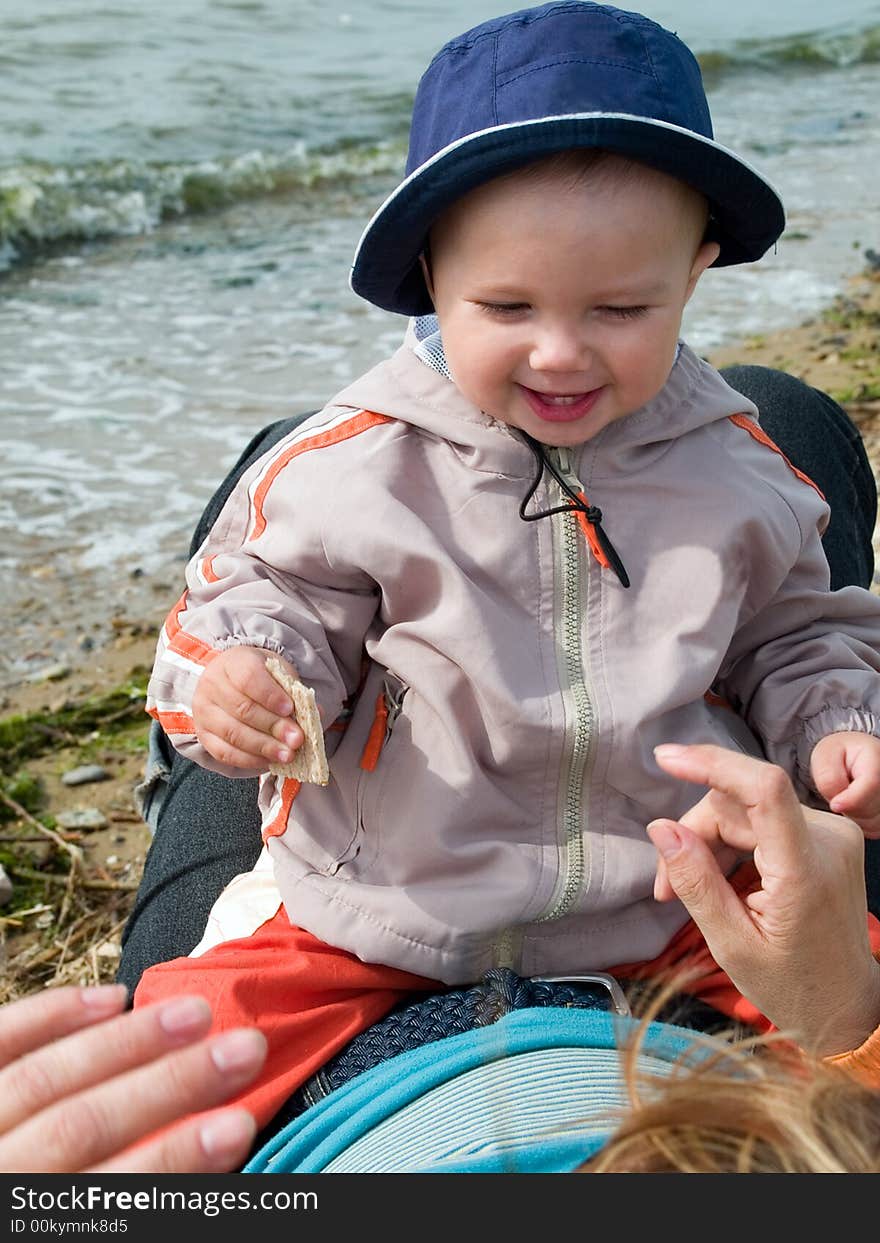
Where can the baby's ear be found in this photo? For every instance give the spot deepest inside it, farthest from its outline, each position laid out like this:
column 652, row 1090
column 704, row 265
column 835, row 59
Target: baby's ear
column 425, row 264
column 704, row 258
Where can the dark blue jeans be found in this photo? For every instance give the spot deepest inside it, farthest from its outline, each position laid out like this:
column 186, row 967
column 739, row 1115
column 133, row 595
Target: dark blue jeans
column 207, row 829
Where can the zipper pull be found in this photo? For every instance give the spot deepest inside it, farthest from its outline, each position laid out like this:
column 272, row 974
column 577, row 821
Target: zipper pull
column 589, row 516
column 590, row 519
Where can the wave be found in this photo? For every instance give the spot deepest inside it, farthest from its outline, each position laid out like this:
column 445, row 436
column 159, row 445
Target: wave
column 43, row 206
column 828, row 49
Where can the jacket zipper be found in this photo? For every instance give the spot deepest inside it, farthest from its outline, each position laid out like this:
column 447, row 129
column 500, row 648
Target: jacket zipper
column 569, row 592
column 571, row 578
column 393, row 706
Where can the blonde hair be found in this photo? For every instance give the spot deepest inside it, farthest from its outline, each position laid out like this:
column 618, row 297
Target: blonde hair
column 749, row 1106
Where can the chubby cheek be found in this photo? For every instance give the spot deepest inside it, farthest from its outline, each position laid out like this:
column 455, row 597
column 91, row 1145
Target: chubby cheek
column 481, row 367
column 642, row 370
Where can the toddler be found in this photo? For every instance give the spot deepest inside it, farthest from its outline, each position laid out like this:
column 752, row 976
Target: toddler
column 541, row 539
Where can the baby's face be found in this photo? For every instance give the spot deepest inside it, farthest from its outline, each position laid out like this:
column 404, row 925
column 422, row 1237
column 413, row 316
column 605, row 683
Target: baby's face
column 560, row 299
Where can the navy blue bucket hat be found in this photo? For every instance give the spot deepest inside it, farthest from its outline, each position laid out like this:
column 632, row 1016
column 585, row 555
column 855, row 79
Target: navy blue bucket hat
column 544, row 80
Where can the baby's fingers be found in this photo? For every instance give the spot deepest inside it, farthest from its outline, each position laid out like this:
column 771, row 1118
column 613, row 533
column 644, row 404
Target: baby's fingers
column 239, row 746
column 249, row 677
column 861, row 802
column 244, row 721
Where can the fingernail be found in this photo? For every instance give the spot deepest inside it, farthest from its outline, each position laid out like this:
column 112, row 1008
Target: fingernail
column 237, row 1050
column 283, row 707
column 103, row 996
column 184, row 1015
column 665, row 838
column 668, row 750
column 227, row 1133
column 282, row 755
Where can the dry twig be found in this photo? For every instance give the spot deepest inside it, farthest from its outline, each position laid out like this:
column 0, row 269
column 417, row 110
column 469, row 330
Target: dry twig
column 22, row 812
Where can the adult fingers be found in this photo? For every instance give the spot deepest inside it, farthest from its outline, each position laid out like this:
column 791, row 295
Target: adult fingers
column 721, row 818
column 764, row 791
column 211, row 1143
column 77, row 1061
column 702, row 888
column 725, row 856
column 34, row 1021
column 723, row 823
column 102, row 1122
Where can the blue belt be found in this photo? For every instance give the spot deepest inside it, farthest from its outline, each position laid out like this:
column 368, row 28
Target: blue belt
column 415, row 1023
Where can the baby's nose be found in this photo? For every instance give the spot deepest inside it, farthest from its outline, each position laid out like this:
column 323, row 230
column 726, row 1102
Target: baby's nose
column 560, row 348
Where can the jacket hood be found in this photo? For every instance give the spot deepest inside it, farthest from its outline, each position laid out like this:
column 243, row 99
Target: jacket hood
column 408, row 387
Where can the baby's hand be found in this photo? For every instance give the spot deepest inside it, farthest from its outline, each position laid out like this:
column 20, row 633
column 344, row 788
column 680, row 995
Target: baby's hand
column 241, row 714
column 846, row 771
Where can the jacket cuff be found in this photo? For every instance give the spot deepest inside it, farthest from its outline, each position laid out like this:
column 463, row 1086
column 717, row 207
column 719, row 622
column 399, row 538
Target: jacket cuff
column 831, row 721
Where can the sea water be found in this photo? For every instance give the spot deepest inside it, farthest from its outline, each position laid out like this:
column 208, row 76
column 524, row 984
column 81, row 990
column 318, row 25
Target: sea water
column 182, row 186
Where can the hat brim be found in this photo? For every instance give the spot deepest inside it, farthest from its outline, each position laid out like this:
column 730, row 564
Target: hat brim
column 747, row 213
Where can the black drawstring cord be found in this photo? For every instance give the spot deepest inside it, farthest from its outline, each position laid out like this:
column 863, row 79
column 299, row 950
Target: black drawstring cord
column 592, row 513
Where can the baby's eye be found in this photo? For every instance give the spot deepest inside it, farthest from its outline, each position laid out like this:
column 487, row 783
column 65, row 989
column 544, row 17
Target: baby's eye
column 502, row 309
column 624, row 312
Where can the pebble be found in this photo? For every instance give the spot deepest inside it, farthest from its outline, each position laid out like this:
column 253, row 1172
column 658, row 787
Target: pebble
column 82, row 818
column 5, row 886
column 54, row 673
column 84, row 774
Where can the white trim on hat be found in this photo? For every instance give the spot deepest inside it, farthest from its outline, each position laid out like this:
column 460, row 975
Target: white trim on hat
column 554, row 119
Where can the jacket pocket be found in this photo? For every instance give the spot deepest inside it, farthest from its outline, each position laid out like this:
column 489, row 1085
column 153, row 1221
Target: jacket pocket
column 389, row 705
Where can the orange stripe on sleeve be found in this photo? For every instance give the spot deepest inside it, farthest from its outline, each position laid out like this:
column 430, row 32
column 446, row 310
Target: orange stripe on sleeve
column 360, row 422
column 758, row 433
column 181, row 642
column 173, row 722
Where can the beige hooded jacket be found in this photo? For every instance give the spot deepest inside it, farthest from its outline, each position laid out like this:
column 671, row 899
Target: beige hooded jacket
column 493, row 692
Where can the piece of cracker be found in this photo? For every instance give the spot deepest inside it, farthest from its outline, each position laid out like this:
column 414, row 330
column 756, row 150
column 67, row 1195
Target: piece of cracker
column 309, row 763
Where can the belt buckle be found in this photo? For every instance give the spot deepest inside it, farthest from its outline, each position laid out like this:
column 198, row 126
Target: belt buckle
column 619, row 1003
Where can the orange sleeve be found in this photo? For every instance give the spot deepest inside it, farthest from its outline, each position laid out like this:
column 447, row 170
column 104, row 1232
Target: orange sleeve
column 862, row 1063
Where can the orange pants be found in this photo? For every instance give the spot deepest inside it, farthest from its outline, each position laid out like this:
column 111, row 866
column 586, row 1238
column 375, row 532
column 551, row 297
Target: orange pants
column 307, row 998
column 310, row 999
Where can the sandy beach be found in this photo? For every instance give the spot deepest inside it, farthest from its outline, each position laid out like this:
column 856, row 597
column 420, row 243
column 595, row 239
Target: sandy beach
column 74, row 852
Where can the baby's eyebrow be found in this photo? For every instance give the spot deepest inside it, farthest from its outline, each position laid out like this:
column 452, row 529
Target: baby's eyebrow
column 634, row 291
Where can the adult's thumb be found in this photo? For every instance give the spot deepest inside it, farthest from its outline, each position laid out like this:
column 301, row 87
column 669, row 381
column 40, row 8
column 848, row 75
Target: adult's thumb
column 700, row 885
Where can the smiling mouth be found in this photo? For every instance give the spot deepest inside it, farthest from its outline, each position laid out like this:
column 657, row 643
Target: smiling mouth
column 560, row 407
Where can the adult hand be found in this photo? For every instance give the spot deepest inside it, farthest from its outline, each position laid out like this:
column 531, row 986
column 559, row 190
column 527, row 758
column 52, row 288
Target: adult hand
column 83, row 1085
column 797, row 947
column 241, row 714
